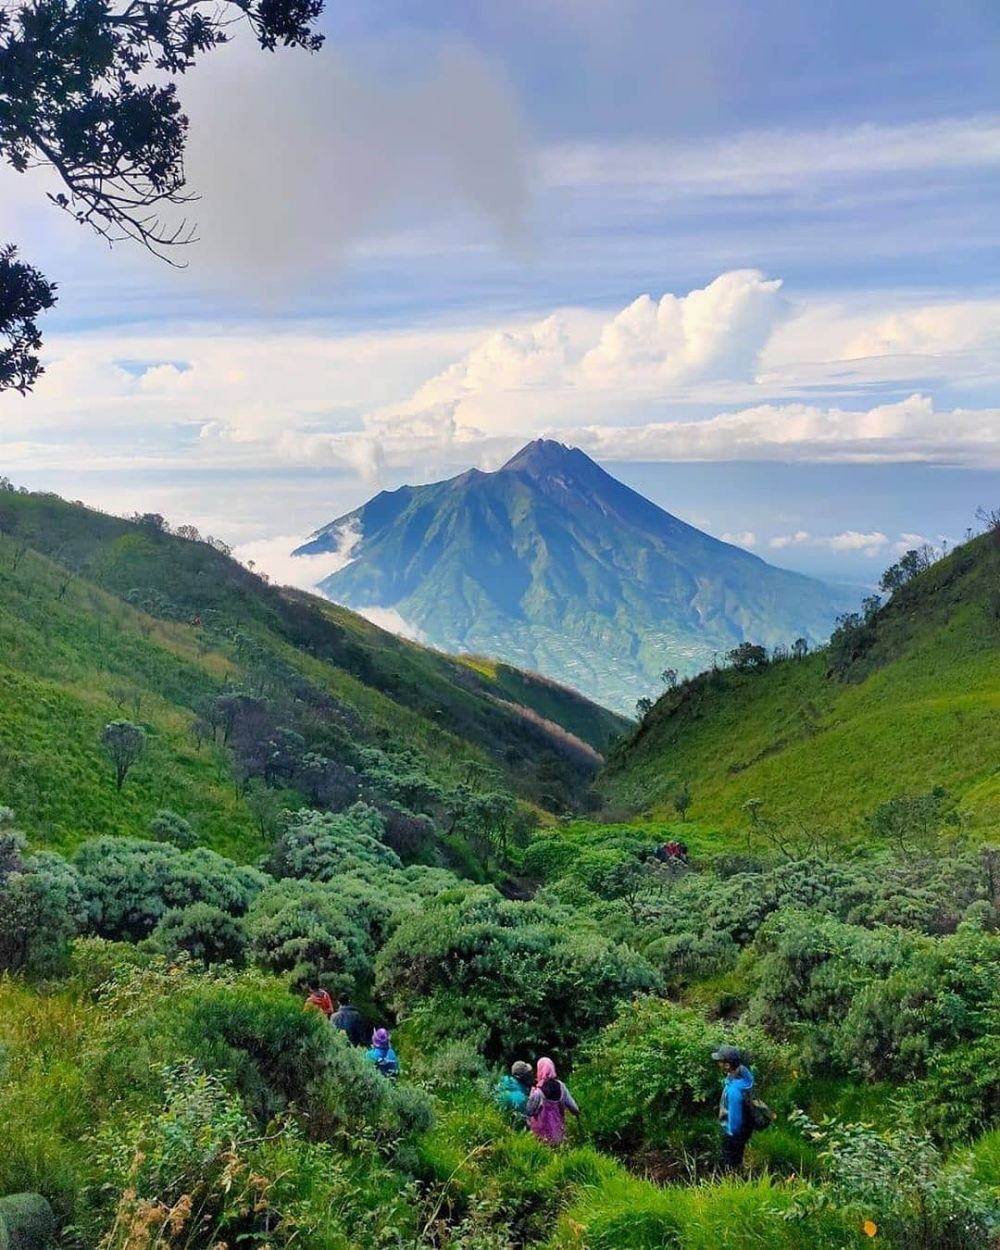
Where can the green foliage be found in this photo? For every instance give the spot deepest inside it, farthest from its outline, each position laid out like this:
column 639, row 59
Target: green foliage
column 944, row 996
column 202, row 931
column 199, row 1173
column 649, row 1079
column 321, row 845
column 748, row 657
column 169, row 827
column 128, row 885
column 807, row 971
column 518, row 976
column 909, row 820
column 41, row 905
column 896, row 1179
column 311, row 932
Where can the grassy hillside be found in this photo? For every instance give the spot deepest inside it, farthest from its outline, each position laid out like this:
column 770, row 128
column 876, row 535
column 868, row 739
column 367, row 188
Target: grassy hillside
column 101, row 619
column 913, row 702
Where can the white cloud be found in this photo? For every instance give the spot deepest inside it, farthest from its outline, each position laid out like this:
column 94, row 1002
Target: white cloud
column 761, row 162
column 547, row 370
column 273, row 556
column 852, row 540
column 716, row 332
column 790, row 540
column 641, row 384
column 391, row 620
column 841, row 345
column 745, row 538
column 910, row 430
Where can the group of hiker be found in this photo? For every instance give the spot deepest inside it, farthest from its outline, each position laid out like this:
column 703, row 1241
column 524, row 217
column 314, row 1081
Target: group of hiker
column 348, row 1020
column 540, row 1100
column 536, row 1098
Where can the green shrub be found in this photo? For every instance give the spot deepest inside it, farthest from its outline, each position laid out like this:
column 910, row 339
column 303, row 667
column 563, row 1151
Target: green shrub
column 169, row 827
column 521, row 976
column 896, row 1178
column 649, row 1081
column 128, row 884
column 270, row 1050
column 202, row 931
column 323, row 845
column 310, row 931
column 41, row 908
column 807, row 970
column 198, row 1173
column 945, row 995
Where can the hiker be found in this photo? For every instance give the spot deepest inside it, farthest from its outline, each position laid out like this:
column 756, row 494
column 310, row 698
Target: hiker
column 548, row 1103
column 348, row 1020
column 735, row 1111
column 319, row 1000
column 382, row 1054
column 513, row 1089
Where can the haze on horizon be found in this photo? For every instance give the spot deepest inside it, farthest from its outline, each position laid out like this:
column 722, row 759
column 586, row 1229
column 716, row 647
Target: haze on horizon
column 744, row 256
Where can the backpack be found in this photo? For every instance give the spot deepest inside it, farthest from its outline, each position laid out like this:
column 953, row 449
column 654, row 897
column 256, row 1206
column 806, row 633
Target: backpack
column 388, row 1065
column 759, row 1114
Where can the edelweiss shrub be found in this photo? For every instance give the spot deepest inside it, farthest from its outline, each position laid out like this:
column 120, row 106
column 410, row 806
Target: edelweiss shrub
column 202, row 931
column 521, row 977
column 322, row 845
column 128, row 884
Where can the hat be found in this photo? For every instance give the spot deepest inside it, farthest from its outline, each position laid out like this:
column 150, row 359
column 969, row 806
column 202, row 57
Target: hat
column 728, row 1054
column 521, row 1070
column 380, row 1038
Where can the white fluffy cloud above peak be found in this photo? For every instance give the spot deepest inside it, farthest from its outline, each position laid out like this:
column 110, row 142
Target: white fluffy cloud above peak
column 714, row 333
column 551, row 369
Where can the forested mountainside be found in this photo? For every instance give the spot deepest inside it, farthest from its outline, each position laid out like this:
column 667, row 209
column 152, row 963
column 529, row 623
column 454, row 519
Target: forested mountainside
column 240, row 688
column 905, row 699
column 552, row 564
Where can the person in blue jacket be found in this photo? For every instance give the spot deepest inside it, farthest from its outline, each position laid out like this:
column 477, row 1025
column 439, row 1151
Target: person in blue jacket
column 734, row 1106
column 382, row 1054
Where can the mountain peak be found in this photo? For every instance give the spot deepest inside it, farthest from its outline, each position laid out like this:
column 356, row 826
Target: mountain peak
column 544, row 455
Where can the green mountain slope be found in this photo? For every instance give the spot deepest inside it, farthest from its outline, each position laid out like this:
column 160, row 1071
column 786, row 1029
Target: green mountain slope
column 555, row 566
column 101, row 619
column 909, row 702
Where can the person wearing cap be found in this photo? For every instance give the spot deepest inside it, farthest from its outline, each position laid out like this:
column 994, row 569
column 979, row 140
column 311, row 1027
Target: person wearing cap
column 513, row 1089
column 734, row 1115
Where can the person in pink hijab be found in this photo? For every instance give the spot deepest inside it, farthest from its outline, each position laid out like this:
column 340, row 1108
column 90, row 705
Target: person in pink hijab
column 548, row 1103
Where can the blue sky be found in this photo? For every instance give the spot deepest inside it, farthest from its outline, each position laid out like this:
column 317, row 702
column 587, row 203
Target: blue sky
column 744, row 254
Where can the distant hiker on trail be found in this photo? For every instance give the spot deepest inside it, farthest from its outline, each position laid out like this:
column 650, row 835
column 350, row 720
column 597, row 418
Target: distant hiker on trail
column 673, row 852
column 548, row 1103
column 382, row 1054
column 348, row 1019
column 735, row 1106
column 513, row 1090
column 319, row 1000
